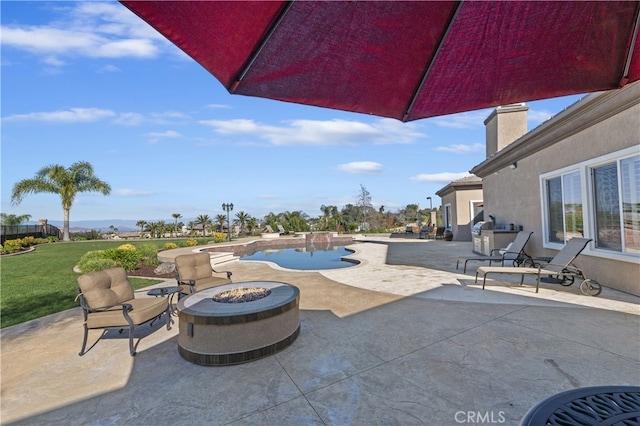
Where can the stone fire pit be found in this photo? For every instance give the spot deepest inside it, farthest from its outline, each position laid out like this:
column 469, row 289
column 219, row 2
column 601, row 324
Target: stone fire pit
column 218, row 333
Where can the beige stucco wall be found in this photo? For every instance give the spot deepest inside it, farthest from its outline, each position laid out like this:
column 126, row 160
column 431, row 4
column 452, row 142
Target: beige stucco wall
column 461, row 211
column 504, row 125
column 462, row 214
column 514, row 195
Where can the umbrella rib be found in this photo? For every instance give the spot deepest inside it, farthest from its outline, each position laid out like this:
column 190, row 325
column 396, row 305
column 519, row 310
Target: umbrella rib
column 427, row 70
column 634, row 38
column 261, row 46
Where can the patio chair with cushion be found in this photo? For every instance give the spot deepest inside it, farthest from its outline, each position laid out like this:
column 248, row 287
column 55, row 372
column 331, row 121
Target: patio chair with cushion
column 560, row 265
column 194, row 273
column 514, row 253
column 107, row 301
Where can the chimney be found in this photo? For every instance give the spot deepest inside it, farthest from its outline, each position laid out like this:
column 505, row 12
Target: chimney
column 504, row 125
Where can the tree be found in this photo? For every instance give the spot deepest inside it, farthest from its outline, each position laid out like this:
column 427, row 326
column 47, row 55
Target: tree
column 192, row 226
column 141, row 224
column 242, row 220
column 176, row 216
column 220, row 220
column 251, row 224
column 204, row 221
column 364, row 205
column 326, row 215
column 12, row 219
column 67, row 183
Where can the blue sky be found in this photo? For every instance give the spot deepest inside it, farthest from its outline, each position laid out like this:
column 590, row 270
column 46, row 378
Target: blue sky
column 90, row 81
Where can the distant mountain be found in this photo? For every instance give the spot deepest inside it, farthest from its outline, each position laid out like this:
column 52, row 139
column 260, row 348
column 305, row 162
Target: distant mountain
column 123, row 225
column 99, row 225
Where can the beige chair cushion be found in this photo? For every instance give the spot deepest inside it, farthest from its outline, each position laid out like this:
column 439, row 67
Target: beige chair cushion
column 143, row 310
column 197, row 267
column 193, row 266
column 105, row 288
column 205, row 283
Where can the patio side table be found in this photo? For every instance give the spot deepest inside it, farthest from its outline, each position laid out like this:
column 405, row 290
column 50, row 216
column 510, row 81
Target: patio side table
column 166, row 291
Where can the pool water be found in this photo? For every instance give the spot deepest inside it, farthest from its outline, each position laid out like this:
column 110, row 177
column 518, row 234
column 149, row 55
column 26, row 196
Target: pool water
column 304, row 260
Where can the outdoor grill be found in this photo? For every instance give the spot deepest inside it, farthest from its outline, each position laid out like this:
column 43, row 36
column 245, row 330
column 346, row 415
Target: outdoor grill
column 478, row 227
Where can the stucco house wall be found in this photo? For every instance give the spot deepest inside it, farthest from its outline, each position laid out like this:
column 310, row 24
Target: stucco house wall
column 459, row 195
column 598, row 126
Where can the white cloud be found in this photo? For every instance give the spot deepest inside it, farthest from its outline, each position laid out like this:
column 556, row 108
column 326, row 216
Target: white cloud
column 125, row 192
column 108, row 69
column 361, row 167
column 217, row 106
column 537, row 117
column 463, row 120
column 154, row 137
column 89, row 29
column 462, row 149
column 53, row 61
column 445, row 177
column 129, row 119
column 322, row 133
column 72, row 115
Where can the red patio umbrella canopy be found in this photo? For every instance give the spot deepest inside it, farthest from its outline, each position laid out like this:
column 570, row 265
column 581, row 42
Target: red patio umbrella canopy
column 405, row 60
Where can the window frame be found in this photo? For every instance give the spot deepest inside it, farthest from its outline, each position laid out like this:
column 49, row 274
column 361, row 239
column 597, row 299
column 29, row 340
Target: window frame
column 587, row 189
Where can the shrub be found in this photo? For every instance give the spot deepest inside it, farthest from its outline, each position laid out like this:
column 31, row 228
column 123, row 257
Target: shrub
column 12, row 246
column 169, row 246
column 97, row 264
column 219, row 237
column 90, row 259
column 93, row 234
column 192, row 242
column 149, row 253
column 127, row 247
column 28, row 241
column 128, row 259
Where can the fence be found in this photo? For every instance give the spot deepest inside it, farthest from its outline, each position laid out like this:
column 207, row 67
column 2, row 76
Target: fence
column 8, row 232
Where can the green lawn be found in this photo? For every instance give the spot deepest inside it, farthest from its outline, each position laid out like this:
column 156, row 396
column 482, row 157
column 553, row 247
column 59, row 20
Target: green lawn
column 42, row 282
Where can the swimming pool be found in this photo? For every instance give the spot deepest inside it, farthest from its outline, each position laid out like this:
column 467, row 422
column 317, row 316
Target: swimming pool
column 299, row 258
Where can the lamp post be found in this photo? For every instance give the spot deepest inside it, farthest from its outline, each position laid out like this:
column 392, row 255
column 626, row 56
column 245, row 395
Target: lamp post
column 227, row 208
column 430, row 204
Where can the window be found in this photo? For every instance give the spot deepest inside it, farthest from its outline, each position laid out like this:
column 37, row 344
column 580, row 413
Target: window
column 617, row 205
column 597, row 199
column 564, row 208
column 447, row 216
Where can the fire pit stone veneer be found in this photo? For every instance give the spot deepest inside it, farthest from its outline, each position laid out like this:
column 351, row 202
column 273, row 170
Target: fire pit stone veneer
column 215, row 333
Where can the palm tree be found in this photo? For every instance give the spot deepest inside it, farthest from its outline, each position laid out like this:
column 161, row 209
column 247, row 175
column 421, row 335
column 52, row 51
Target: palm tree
column 326, row 214
column 176, row 216
column 242, row 219
column 221, row 219
column 141, row 224
column 192, row 225
column 203, row 220
column 67, row 183
column 12, row 219
column 251, row 224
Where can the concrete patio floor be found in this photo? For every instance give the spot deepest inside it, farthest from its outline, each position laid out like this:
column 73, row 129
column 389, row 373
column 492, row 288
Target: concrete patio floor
column 403, row 338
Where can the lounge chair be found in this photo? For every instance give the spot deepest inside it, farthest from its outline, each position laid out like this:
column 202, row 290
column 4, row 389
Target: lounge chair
column 439, row 233
column 194, row 273
column 514, row 253
column 107, row 301
column 281, row 229
column 408, row 229
column 560, row 265
column 269, row 229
